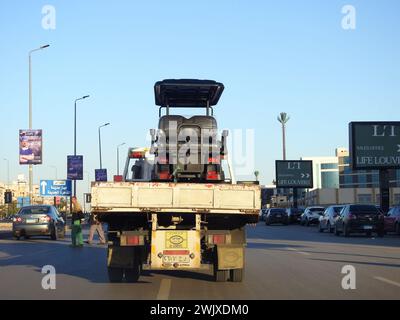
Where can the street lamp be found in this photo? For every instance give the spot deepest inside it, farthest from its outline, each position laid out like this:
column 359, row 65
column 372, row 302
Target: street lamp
column 8, row 172
column 283, row 118
column 30, row 116
column 84, row 97
column 55, row 168
column 120, row 145
column 104, row 125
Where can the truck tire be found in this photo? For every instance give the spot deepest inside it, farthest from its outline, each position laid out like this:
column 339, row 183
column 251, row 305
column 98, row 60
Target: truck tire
column 115, row 274
column 221, row 275
column 237, row 275
column 132, row 274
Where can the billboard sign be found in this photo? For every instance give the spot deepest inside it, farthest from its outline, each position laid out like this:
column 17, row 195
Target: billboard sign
column 374, row 145
column 53, row 188
column 30, row 147
column 75, row 167
column 100, row 174
column 294, row 173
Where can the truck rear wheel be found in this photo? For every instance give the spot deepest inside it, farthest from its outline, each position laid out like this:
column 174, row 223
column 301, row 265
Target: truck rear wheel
column 236, row 275
column 115, row 274
column 132, row 275
column 221, row 275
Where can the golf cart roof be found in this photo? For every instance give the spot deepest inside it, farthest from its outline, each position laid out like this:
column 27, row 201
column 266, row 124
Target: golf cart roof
column 187, row 93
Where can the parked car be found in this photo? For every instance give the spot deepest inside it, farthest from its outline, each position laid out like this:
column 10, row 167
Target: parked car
column 263, row 214
column 392, row 220
column 294, row 214
column 276, row 215
column 311, row 215
column 328, row 219
column 360, row 218
column 38, row 220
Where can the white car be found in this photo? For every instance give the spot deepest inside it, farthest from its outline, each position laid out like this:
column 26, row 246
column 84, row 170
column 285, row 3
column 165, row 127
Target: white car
column 311, row 215
column 328, row 220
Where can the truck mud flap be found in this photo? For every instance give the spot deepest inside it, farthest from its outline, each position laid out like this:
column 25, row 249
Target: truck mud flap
column 230, row 257
column 121, row 257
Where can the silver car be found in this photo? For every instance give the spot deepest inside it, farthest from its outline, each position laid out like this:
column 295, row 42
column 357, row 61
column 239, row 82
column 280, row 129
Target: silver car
column 328, row 220
column 38, row 220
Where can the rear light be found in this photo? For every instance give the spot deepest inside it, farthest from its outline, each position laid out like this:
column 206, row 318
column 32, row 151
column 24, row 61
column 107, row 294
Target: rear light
column 137, row 155
column 164, row 175
column 212, row 175
column 218, row 239
column 48, row 218
column 18, row 220
column 132, row 240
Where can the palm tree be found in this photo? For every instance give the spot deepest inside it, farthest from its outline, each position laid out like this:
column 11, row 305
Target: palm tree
column 256, row 174
column 283, row 118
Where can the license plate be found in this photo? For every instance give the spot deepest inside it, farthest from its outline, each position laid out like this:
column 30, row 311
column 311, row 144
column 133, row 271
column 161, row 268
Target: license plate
column 31, row 220
column 367, row 227
column 176, row 259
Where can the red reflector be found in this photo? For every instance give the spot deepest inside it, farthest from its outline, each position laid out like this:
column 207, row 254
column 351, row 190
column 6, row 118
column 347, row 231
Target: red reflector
column 175, row 252
column 215, row 160
column 212, row 175
column 164, row 175
column 133, row 240
column 218, row 238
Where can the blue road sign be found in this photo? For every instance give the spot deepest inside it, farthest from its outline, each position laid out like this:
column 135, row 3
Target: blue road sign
column 100, row 174
column 75, row 167
column 51, row 188
column 23, row 201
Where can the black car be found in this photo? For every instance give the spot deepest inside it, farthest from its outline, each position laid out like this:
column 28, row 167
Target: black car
column 357, row 218
column 276, row 215
column 294, row 214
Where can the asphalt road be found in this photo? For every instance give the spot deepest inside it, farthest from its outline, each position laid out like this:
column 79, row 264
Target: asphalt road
column 282, row 262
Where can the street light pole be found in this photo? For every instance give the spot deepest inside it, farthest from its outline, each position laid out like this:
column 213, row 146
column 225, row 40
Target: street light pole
column 283, row 118
column 84, row 97
column 30, row 116
column 120, row 145
column 106, row 124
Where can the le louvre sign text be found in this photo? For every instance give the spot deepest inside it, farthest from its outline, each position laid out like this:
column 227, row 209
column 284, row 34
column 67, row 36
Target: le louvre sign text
column 375, row 145
column 292, row 174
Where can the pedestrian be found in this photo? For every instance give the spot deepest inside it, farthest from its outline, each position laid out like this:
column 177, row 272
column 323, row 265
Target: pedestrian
column 95, row 225
column 76, row 228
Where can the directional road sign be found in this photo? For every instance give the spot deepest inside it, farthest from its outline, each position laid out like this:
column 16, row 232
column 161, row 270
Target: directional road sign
column 55, row 188
column 294, row 174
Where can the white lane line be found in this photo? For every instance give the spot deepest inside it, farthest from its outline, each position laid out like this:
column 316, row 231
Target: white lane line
column 9, row 257
column 165, row 288
column 388, row 281
column 300, row 252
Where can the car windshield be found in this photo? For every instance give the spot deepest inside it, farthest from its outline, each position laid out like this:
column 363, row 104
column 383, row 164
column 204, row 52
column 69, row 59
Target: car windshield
column 364, row 209
column 337, row 209
column 316, row 209
column 37, row 210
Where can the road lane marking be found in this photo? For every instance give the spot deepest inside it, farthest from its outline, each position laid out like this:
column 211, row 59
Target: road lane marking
column 388, row 281
column 300, row 252
column 165, row 288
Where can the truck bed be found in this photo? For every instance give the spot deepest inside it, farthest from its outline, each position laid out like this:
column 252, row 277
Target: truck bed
column 179, row 197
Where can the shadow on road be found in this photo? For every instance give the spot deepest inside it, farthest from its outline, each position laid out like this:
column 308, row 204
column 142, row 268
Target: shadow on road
column 379, row 264
column 298, row 233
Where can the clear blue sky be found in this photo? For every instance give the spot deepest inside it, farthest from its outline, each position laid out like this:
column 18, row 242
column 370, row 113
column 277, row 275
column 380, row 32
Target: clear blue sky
column 272, row 56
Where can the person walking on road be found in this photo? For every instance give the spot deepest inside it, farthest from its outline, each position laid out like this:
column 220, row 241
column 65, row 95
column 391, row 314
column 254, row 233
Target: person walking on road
column 95, row 225
column 76, row 228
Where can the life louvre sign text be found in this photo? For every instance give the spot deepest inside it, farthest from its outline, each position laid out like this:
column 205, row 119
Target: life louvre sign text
column 294, row 174
column 375, row 145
